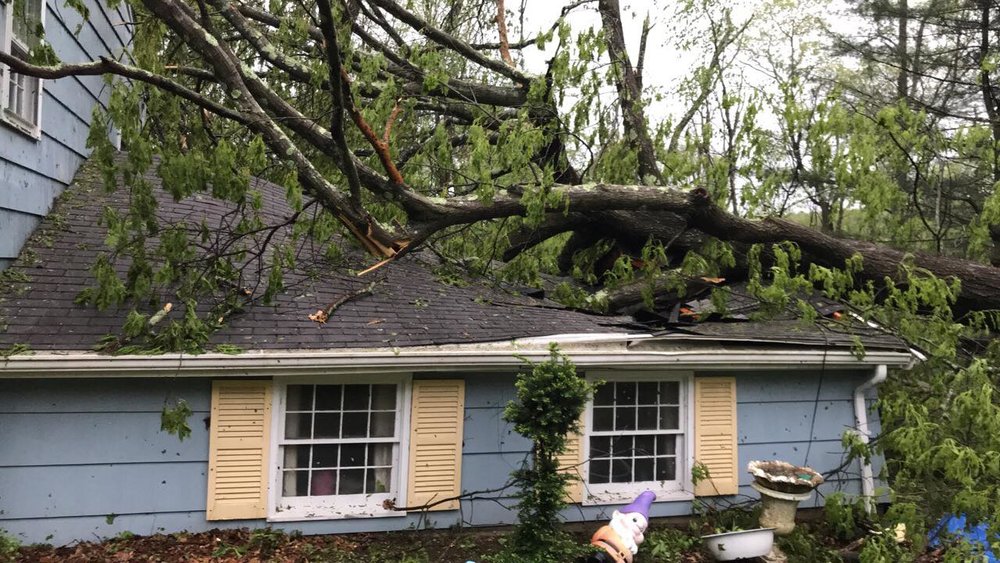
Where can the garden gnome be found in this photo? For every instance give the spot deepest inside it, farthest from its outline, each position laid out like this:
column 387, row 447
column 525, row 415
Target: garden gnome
column 622, row 536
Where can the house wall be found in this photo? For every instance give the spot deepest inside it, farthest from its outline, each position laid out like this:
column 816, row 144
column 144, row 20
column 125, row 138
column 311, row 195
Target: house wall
column 34, row 172
column 81, row 459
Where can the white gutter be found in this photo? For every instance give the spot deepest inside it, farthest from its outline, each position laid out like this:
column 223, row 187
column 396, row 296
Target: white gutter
column 861, row 417
column 467, row 357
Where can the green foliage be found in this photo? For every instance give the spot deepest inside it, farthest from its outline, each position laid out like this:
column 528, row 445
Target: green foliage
column 883, row 547
column 805, row 545
column 15, row 350
column 265, row 541
column 550, row 399
column 712, row 519
column 174, row 419
column 669, row 544
column 119, row 542
column 229, row 349
column 229, row 550
column 8, row 548
column 842, row 517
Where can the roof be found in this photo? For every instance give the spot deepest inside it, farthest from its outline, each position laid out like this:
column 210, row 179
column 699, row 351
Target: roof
column 409, row 305
column 695, row 319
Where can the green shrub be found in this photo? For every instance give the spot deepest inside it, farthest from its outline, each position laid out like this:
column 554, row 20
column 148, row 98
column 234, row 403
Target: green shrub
column 8, row 547
column 668, row 545
column 844, row 518
column 803, row 544
column 550, row 399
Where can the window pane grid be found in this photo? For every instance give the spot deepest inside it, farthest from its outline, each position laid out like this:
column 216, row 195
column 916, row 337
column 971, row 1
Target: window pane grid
column 339, row 439
column 27, row 15
column 623, row 406
column 337, row 469
column 635, row 432
column 340, row 412
column 22, row 91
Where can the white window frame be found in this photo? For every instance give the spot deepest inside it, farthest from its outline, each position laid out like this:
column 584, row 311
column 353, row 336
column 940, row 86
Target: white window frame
column 680, row 489
column 286, row 509
column 32, row 129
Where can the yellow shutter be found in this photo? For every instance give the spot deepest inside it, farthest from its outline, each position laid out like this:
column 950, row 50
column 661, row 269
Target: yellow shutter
column 437, row 415
column 238, row 450
column 572, row 460
column 715, row 435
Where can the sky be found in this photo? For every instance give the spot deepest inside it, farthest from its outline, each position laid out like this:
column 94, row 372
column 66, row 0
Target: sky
column 668, row 60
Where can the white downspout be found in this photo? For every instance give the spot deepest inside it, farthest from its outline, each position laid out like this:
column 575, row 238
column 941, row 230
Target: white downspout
column 861, row 417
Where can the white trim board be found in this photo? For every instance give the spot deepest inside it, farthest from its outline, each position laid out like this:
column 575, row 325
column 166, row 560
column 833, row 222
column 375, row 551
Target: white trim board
column 310, row 362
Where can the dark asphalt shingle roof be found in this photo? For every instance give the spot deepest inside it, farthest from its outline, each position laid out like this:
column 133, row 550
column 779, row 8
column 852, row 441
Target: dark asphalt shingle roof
column 408, row 307
column 739, row 323
column 823, row 334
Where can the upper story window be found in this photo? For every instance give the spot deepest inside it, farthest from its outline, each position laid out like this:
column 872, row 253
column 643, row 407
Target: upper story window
column 339, row 448
column 20, row 96
column 636, row 437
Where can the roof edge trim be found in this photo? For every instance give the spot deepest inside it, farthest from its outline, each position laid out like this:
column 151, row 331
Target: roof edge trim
column 403, row 360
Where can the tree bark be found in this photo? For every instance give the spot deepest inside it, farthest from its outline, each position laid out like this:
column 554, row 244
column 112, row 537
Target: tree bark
column 902, row 40
column 692, row 216
column 629, row 89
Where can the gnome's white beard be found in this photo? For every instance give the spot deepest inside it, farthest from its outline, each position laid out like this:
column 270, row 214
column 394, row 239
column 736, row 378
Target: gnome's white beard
column 629, row 527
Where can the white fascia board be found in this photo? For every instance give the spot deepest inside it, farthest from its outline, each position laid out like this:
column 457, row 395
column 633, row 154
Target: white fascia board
column 312, row 362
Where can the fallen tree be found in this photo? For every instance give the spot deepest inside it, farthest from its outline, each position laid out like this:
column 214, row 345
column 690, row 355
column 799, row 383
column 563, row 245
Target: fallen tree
column 297, row 79
column 402, row 129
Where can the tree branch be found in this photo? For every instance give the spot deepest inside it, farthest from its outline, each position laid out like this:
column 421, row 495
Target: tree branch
column 339, row 91
column 451, row 42
column 629, row 92
column 105, row 65
column 381, row 147
column 501, row 20
column 230, row 72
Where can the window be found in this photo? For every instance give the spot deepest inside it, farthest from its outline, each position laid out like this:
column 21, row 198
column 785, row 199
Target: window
column 20, row 95
column 636, row 438
column 339, row 448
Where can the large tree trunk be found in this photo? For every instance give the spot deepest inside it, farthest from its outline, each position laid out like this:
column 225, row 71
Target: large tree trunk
column 628, row 83
column 682, row 220
column 902, row 80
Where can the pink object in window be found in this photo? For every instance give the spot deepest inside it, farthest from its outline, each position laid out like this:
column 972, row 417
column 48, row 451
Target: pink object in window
column 323, row 483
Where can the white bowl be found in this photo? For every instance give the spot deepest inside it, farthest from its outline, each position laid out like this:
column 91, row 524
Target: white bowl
column 740, row 545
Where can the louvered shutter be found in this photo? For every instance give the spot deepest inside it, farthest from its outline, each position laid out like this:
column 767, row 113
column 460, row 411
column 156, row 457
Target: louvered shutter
column 238, row 450
column 572, row 460
column 715, row 435
column 435, row 464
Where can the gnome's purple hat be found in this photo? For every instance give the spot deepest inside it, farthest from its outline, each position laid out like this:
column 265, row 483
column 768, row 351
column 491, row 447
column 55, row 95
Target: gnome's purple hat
column 641, row 504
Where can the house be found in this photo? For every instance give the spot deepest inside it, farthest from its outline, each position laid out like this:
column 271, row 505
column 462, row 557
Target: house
column 44, row 123
column 395, row 401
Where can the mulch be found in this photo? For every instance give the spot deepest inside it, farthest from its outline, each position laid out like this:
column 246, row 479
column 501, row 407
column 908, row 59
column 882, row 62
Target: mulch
column 260, row 546
column 246, row 546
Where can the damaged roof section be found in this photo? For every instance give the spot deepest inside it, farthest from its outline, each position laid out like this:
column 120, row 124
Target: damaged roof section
column 402, row 304
column 745, row 319
column 408, row 304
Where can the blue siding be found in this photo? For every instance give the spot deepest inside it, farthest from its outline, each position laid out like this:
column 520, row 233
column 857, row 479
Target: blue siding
column 33, row 172
column 85, row 458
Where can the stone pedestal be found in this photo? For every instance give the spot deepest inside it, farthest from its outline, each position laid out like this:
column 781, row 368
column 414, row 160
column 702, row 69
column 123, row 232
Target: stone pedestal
column 778, row 508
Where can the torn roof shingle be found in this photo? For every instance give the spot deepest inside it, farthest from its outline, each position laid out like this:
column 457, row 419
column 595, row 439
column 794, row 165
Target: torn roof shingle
column 409, row 306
